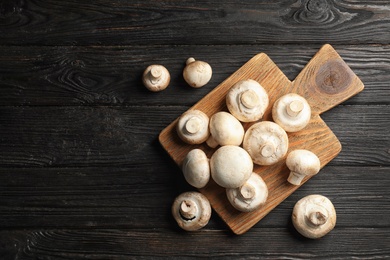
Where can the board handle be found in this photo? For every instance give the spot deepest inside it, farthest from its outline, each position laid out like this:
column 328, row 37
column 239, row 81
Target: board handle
column 326, row 81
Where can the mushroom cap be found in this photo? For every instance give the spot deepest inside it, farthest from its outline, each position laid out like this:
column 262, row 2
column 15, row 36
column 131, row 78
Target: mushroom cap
column 196, row 168
column 226, row 129
column 250, row 196
column 314, row 216
column 247, row 100
column 266, row 142
column 193, row 127
column 197, row 73
column 191, row 210
column 156, row 78
column 230, row 166
column 302, row 163
column 291, row 112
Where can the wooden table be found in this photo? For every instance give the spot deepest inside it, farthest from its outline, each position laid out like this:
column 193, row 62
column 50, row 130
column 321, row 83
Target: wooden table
column 82, row 174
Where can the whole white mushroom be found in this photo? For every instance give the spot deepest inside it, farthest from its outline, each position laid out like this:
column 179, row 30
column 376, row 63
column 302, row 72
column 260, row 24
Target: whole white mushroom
column 249, row 196
column 225, row 129
column 247, row 100
column 314, row 216
column 230, row 166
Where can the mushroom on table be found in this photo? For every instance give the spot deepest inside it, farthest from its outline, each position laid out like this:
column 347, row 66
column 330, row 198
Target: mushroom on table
column 291, row 112
column 247, row 100
column 266, row 142
column 302, row 163
column 249, row 196
column 197, row 73
column 196, row 168
column 156, row 78
column 193, row 127
column 191, row 210
column 314, row 216
column 230, row 166
column 225, row 129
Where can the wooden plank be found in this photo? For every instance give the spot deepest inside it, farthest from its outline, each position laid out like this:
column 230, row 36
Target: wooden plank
column 162, row 243
column 324, row 82
column 140, row 197
column 120, row 22
column 121, row 136
column 112, row 75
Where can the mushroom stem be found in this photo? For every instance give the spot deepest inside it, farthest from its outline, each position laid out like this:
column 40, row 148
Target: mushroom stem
column 247, row 191
column 294, row 108
column 267, row 150
column 193, row 125
column 295, row 178
column 190, row 60
column 317, row 218
column 188, row 209
column 155, row 73
column 249, row 99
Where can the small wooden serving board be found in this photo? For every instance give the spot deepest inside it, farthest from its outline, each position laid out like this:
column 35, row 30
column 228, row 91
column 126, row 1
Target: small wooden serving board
column 325, row 82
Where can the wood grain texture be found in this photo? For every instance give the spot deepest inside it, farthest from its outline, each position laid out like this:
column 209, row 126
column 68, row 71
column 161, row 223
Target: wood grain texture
column 325, row 82
column 163, row 243
column 122, row 22
column 112, row 75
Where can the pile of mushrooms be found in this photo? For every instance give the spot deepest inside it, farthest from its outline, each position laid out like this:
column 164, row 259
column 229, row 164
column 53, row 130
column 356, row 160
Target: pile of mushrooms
column 236, row 151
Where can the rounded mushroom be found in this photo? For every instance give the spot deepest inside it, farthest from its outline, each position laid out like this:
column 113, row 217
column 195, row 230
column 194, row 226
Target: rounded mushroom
column 196, row 168
column 197, row 73
column 247, row 100
column 249, row 196
column 302, row 163
column 291, row 112
column 230, row 166
column 314, row 216
column 193, row 127
column 266, row 142
column 156, row 78
column 225, row 129
column 191, row 210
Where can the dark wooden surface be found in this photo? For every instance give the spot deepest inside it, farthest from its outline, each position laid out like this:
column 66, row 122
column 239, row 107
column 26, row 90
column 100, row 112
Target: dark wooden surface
column 82, row 175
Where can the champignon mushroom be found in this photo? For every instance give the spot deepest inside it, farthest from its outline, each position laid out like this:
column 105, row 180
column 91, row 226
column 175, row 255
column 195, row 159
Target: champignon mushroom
column 193, row 127
column 196, row 168
column 230, row 166
column 249, row 196
column 302, row 163
column 266, row 142
column 314, row 216
column 226, row 129
column 291, row 112
column 191, row 210
column 247, row 100
column 197, row 73
column 156, row 78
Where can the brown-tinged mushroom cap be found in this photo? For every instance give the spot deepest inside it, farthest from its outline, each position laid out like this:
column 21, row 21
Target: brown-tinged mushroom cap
column 302, row 163
column 193, row 127
column 249, row 196
column 230, row 166
column 191, row 210
column 156, row 78
column 196, row 168
column 197, row 73
column 266, row 142
column 247, row 100
column 314, row 216
column 291, row 112
column 225, row 129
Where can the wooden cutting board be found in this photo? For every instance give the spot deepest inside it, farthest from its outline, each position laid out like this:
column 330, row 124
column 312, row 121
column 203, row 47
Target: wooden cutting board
column 325, row 82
